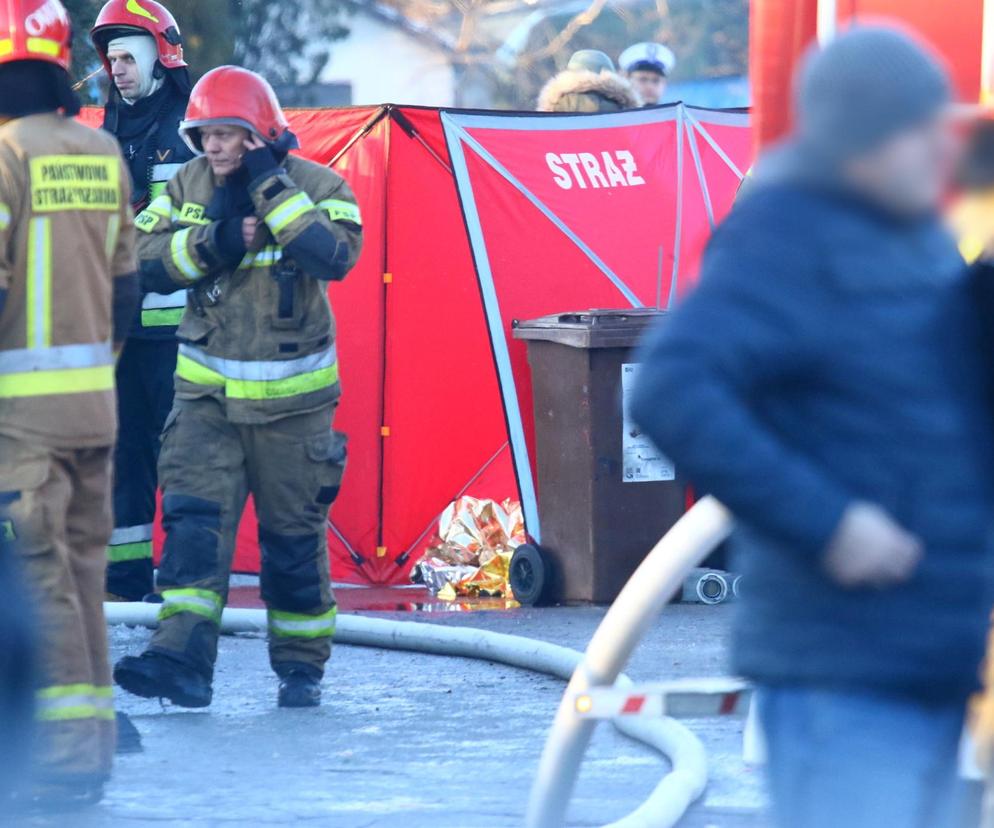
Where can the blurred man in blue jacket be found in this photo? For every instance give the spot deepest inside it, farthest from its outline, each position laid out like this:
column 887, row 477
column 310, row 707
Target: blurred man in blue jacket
column 824, row 382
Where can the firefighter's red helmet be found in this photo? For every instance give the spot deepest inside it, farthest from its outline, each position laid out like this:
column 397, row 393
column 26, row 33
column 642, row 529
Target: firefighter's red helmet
column 232, row 95
column 35, row 30
column 145, row 15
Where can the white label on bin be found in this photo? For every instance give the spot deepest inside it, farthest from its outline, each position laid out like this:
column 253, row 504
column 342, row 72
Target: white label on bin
column 642, row 462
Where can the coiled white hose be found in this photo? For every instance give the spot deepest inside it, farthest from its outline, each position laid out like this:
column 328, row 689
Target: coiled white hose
column 673, row 740
column 660, row 575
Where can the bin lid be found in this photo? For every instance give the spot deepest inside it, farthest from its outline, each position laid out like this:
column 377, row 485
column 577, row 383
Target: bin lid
column 590, row 329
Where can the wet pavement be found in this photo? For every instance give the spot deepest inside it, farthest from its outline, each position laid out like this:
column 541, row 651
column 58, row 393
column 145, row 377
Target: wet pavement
column 410, row 740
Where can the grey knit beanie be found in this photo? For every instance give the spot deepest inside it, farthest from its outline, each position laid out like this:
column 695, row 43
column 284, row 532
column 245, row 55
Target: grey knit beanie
column 867, row 85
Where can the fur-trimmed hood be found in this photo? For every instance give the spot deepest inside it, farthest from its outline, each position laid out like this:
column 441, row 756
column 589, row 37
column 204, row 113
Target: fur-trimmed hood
column 584, row 91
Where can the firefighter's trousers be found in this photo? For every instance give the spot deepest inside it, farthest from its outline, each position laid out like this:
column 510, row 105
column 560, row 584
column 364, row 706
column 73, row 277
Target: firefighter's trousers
column 144, row 400
column 208, row 466
column 55, row 508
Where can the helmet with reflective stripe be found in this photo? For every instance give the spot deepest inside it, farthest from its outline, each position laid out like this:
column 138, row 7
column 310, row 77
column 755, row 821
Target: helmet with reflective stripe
column 232, row 95
column 35, row 30
column 119, row 16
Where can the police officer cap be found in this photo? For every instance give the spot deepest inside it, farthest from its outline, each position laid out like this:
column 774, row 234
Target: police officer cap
column 590, row 60
column 648, row 57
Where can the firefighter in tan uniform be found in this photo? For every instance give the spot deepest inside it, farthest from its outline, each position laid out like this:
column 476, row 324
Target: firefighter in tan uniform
column 68, row 290
column 257, row 235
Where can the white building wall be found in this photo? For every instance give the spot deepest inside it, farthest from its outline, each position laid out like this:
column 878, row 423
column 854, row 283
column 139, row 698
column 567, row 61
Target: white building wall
column 385, row 64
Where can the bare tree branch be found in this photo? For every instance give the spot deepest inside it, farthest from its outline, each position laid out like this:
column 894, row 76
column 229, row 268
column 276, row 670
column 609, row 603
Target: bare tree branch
column 561, row 40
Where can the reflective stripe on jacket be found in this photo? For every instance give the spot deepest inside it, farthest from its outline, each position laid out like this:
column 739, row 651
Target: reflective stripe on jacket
column 153, row 158
column 259, row 335
column 259, row 380
column 66, row 231
column 163, row 310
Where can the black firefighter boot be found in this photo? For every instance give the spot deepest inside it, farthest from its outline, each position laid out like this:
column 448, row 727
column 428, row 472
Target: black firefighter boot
column 299, row 689
column 156, row 676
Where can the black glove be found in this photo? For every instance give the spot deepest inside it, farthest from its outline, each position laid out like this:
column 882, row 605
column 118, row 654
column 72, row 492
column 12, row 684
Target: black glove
column 229, row 241
column 232, row 199
column 261, row 163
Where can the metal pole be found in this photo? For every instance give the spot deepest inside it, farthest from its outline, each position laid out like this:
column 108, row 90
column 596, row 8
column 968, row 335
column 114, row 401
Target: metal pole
column 661, row 574
column 828, row 21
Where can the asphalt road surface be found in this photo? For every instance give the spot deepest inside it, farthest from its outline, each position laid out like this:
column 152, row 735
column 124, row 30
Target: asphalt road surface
column 412, row 741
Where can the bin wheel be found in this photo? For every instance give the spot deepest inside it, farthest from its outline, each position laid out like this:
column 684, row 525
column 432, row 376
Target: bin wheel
column 529, row 575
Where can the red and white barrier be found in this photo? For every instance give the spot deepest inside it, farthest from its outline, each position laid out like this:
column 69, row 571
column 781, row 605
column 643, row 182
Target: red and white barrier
column 689, row 698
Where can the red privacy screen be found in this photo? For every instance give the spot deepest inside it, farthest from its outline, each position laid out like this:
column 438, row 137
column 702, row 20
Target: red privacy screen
column 472, row 220
column 567, row 213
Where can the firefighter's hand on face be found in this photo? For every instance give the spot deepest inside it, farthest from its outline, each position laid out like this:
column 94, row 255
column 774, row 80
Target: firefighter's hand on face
column 254, row 142
column 259, row 159
column 260, row 163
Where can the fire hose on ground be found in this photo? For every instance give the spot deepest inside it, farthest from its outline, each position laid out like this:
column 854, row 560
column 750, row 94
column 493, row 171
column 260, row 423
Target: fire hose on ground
column 645, row 595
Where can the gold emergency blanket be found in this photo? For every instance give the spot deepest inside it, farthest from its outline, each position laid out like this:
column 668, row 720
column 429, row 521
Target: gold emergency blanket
column 471, row 554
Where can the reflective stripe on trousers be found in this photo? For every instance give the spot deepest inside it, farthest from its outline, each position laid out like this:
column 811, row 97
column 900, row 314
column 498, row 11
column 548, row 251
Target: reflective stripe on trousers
column 68, row 702
column 130, row 543
column 198, row 601
column 297, row 625
column 259, row 379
